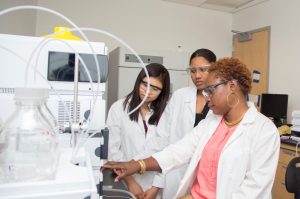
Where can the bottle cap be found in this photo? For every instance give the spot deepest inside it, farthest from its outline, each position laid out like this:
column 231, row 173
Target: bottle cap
column 65, row 33
column 31, row 94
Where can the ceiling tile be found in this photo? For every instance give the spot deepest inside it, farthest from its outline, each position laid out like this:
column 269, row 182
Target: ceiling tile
column 221, row 5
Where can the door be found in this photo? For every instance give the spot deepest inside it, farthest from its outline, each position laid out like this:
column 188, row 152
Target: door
column 252, row 48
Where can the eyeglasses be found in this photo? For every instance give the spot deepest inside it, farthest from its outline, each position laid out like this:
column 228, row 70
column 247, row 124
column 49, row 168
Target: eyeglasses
column 209, row 90
column 152, row 87
column 193, row 70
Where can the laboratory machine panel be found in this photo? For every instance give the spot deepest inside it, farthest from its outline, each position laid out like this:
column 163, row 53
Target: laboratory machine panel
column 54, row 56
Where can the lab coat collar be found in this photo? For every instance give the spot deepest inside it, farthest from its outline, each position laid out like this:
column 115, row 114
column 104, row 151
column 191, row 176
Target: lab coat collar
column 141, row 123
column 148, row 114
column 190, row 100
column 248, row 119
column 193, row 92
column 250, row 114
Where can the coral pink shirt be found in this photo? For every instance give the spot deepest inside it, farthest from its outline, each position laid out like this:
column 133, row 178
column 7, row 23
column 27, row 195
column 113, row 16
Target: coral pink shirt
column 205, row 184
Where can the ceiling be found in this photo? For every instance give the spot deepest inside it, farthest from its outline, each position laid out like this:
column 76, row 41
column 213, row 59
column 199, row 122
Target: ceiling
column 230, row 6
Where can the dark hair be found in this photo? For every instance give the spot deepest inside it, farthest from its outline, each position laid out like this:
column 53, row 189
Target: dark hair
column 205, row 53
column 132, row 100
column 233, row 69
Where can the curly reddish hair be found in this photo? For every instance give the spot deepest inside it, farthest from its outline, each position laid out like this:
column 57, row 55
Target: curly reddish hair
column 233, row 69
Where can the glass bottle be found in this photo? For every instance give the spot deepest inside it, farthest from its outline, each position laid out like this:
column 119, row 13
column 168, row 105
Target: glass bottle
column 28, row 146
column 48, row 114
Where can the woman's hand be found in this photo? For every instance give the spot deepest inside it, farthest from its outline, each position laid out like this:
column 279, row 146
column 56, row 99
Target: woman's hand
column 134, row 187
column 187, row 197
column 122, row 169
column 151, row 193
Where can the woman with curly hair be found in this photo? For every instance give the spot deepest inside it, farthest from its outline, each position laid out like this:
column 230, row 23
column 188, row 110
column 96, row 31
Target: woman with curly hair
column 232, row 154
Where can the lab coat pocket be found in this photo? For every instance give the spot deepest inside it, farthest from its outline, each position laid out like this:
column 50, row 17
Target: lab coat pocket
column 240, row 169
column 235, row 164
column 232, row 161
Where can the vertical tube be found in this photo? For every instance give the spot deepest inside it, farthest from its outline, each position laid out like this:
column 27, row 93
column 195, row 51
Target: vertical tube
column 75, row 122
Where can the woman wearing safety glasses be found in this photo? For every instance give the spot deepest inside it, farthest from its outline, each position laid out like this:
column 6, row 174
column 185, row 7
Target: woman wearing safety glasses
column 232, row 154
column 186, row 108
column 129, row 133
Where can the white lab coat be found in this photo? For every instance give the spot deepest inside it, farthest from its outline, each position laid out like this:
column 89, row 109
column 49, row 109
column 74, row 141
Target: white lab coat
column 179, row 116
column 247, row 163
column 176, row 121
column 127, row 138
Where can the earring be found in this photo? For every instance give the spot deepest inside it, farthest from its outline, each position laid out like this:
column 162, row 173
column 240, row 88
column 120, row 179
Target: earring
column 234, row 101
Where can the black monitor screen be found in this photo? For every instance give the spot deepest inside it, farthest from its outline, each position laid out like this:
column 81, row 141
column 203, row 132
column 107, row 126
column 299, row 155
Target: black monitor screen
column 61, row 66
column 274, row 105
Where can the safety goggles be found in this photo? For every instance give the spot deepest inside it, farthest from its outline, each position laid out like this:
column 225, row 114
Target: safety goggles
column 193, row 70
column 152, row 87
column 209, row 90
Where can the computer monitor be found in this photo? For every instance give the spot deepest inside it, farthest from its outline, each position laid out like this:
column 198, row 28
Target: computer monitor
column 61, row 66
column 275, row 107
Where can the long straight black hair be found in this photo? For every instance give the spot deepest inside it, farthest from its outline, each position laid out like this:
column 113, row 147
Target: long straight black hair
column 132, row 100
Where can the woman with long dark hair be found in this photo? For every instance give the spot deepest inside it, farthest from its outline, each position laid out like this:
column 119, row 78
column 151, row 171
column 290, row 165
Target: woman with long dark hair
column 129, row 133
column 187, row 107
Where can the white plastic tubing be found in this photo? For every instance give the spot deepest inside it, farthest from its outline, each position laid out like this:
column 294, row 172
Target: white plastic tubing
column 80, row 30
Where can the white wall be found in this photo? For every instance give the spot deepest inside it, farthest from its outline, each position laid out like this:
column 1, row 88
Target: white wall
column 20, row 22
column 145, row 24
column 284, row 19
column 160, row 25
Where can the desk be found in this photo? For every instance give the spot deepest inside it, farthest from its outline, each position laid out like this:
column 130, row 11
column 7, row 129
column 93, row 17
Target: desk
column 287, row 152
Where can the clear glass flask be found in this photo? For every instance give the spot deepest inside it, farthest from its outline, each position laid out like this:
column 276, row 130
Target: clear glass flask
column 28, row 146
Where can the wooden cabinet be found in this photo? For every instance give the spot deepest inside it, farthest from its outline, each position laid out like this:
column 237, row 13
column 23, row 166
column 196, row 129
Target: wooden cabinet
column 287, row 152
